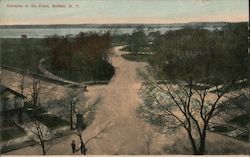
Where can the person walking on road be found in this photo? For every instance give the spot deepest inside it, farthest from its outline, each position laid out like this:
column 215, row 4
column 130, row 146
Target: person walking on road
column 83, row 149
column 73, row 146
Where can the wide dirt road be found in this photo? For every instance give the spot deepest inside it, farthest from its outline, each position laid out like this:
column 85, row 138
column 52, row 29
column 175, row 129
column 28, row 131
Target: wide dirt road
column 126, row 133
column 119, row 101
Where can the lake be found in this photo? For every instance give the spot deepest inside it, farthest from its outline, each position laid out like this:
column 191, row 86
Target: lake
column 44, row 32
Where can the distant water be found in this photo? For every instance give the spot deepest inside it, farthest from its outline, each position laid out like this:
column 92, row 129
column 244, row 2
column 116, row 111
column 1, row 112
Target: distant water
column 44, row 32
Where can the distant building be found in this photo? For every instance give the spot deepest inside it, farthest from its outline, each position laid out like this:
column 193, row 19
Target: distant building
column 11, row 106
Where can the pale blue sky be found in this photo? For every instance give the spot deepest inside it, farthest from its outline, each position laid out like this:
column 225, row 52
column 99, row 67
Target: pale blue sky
column 123, row 11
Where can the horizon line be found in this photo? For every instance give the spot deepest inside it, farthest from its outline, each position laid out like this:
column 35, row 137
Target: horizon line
column 131, row 23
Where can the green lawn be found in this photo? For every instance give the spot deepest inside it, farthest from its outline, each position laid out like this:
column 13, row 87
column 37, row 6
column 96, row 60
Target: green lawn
column 199, row 87
column 241, row 120
column 237, row 86
column 51, row 122
column 141, row 49
column 23, row 53
column 244, row 136
column 11, row 133
column 13, row 147
column 240, row 85
column 83, row 72
column 137, row 57
column 222, row 128
column 30, row 111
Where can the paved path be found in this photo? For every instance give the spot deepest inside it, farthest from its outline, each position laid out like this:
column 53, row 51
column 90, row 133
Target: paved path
column 126, row 134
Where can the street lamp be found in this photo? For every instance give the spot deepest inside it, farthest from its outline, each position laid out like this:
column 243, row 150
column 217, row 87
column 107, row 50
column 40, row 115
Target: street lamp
column 79, row 122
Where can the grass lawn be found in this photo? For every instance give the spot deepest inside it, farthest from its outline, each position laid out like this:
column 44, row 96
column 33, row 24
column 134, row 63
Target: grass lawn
column 18, row 146
column 11, row 133
column 141, row 49
column 222, row 128
column 244, row 136
column 241, row 120
column 30, row 111
column 83, row 72
column 23, row 53
column 137, row 57
column 238, row 86
column 51, row 122
column 199, row 87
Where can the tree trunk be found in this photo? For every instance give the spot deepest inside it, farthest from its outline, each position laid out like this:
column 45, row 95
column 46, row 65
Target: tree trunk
column 43, row 147
column 22, row 88
column 71, row 116
column 84, row 150
column 202, row 145
column 203, row 140
column 94, row 75
column 191, row 139
column 84, row 146
column 35, row 105
column 70, row 67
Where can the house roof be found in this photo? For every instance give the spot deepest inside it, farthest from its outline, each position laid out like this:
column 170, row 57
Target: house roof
column 4, row 88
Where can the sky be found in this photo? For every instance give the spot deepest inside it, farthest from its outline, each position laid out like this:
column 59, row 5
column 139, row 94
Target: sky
column 14, row 12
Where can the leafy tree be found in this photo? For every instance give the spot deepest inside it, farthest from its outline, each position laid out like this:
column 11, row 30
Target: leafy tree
column 62, row 52
column 84, row 52
column 95, row 50
column 137, row 41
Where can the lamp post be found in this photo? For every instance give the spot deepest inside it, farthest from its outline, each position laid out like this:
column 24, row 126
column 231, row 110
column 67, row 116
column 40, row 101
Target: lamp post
column 79, row 122
column 79, row 129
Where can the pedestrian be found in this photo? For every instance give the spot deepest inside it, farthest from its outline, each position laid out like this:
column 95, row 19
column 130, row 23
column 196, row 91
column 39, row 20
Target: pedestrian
column 83, row 149
column 85, row 88
column 73, row 146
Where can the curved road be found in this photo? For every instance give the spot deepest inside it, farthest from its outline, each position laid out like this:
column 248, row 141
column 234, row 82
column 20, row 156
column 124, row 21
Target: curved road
column 119, row 101
column 127, row 133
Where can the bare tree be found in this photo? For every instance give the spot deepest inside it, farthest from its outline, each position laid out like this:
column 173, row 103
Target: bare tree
column 89, row 111
column 71, row 102
column 88, row 116
column 69, row 106
column 22, row 81
column 41, row 134
column 245, row 92
column 198, row 70
column 149, row 136
column 78, row 132
column 181, row 104
column 35, row 91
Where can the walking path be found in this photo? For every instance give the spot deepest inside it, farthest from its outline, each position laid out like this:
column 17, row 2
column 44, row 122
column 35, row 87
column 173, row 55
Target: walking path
column 50, row 75
column 127, row 133
column 54, row 77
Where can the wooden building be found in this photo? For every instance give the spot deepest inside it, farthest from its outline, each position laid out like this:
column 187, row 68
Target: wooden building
column 11, row 106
